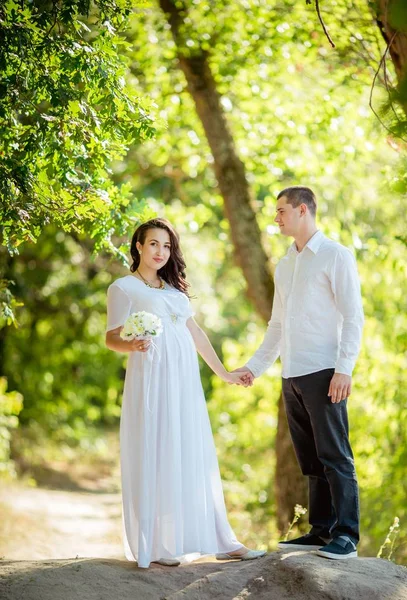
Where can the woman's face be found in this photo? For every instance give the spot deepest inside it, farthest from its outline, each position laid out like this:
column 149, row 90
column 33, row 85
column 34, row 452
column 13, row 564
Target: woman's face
column 156, row 250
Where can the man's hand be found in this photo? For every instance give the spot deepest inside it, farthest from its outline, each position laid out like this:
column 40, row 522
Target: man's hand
column 340, row 387
column 246, row 376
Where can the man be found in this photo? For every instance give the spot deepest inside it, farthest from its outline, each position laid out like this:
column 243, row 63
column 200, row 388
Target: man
column 316, row 327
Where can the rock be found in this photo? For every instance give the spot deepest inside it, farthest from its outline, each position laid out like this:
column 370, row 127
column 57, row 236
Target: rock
column 279, row 576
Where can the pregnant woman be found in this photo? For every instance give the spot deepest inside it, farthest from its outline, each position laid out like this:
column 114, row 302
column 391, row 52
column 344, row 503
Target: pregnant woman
column 172, row 492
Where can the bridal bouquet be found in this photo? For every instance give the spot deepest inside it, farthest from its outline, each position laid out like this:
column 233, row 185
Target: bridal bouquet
column 141, row 325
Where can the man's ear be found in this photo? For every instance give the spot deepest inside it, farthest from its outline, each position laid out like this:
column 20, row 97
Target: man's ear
column 303, row 209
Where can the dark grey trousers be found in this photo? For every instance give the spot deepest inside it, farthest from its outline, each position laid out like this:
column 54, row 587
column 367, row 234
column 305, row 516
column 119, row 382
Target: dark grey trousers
column 320, row 434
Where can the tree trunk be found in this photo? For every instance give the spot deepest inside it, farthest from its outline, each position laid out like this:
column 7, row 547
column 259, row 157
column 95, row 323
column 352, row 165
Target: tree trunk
column 397, row 41
column 245, row 232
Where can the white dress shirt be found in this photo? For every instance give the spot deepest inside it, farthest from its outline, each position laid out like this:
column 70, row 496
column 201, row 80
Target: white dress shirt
column 317, row 317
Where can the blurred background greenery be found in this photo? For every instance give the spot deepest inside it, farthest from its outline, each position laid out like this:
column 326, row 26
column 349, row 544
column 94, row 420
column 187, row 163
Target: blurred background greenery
column 298, row 112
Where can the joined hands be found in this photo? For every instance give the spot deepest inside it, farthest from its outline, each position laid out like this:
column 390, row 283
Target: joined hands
column 241, row 376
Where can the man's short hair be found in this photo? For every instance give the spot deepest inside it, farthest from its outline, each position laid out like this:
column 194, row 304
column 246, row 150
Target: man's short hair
column 297, row 195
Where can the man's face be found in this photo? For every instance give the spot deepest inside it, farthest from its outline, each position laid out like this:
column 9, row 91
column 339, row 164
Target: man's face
column 287, row 217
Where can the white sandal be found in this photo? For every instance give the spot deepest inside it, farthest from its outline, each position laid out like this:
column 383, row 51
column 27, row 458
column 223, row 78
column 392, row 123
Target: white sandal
column 167, row 562
column 249, row 555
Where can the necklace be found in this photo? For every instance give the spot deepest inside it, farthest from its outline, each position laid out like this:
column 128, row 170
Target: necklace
column 162, row 286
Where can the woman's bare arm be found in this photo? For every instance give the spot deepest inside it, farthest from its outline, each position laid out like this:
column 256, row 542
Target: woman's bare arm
column 207, row 351
column 115, row 342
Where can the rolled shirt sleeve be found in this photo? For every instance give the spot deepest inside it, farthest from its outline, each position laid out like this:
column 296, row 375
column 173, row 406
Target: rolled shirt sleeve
column 346, row 289
column 269, row 350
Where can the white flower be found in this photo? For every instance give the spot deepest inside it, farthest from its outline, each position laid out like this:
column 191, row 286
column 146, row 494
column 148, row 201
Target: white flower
column 299, row 510
column 143, row 324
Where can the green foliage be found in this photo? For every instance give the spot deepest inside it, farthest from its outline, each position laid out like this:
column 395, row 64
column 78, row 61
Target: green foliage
column 8, row 304
column 57, row 358
column 11, row 404
column 65, row 113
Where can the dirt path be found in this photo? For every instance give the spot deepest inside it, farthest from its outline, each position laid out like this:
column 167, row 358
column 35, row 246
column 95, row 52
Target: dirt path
column 37, row 523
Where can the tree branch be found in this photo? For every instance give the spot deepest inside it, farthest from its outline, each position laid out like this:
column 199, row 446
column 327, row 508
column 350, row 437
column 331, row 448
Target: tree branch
column 322, row 22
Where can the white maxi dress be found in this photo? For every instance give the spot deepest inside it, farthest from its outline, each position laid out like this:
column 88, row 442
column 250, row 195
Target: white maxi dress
column 172, row 494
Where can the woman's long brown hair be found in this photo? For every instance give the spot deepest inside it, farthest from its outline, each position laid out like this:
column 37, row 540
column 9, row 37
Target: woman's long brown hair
column 173, row 272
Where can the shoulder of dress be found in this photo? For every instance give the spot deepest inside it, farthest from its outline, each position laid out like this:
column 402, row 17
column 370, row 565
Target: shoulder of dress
column 171, row 288
column 121, row 283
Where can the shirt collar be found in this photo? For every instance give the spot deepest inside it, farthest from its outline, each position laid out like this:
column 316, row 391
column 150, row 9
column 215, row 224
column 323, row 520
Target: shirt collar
column 314, row 243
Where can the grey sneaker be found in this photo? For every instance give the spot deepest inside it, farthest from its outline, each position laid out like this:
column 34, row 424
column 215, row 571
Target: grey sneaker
column 340, row 548
column 309, row 541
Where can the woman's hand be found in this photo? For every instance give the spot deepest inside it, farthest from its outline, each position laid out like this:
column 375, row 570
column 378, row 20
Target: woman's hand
column 232, row 378
column 138, row 345
column 115, row 342
column 247, row 376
